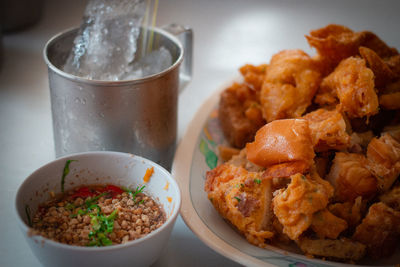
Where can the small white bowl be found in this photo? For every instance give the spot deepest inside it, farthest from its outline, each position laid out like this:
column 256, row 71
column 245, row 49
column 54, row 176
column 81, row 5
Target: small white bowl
column 117, row 168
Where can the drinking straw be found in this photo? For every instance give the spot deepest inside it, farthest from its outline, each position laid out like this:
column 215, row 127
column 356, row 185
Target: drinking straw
column 153, row 23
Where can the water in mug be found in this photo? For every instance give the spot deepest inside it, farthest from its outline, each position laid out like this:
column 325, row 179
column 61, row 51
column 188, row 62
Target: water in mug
column 106, row 46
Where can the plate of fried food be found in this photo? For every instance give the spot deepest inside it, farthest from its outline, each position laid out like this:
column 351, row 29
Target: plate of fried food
column 296, row 162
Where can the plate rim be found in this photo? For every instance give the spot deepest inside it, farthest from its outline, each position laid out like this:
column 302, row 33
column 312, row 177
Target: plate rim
column 181, row 172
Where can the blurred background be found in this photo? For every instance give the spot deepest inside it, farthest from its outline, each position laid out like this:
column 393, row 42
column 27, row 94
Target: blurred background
column 227, row 34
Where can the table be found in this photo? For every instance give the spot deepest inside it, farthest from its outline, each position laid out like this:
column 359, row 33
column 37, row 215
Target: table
column 228, row 34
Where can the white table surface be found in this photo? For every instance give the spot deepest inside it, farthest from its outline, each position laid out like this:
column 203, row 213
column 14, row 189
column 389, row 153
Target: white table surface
column 228, row 34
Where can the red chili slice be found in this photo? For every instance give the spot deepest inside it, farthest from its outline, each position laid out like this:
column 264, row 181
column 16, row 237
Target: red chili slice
column 83, row 192
column 113, row 190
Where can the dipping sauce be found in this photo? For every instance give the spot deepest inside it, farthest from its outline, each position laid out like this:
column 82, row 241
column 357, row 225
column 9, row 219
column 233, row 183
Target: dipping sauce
column 98, row 215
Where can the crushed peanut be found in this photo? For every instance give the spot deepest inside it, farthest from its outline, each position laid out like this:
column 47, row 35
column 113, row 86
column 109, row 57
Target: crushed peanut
column 77, row 220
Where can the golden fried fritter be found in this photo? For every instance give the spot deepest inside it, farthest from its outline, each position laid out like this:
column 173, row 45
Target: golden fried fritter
column 383, row 74
column 390, row 101
column 342, row 249
column 351, row 212
column 294, row 206
column 337, row 42
column 394, row 64
column 334, row 43
column 326, row 224
column 285, row 170
column 351, row 178
column 328, row 130
column 393, row 130
column 239, row 114
column 384, row 160
column 254, row 75
column 240, row 160
column 243, row 198
column 290, row 84
column 353, row 84
column 379, row 230
column 359, row 141
column 392, row 198
column 281, row 141
column 373, row 42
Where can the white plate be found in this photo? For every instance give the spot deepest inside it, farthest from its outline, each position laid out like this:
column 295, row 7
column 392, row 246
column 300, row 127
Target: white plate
column 196, row 154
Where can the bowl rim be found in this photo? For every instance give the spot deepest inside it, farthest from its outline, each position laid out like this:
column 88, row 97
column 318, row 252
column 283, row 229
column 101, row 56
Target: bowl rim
column 109, row 83
column 170, row 219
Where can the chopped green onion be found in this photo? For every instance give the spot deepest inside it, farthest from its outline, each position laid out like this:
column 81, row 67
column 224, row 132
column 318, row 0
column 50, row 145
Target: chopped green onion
column 258, row 181
column 93, row 207
column 91, row 234
column 95, row 223
column 104, row 240
column 113, row 215
column 81, row 212
column 65, row 173
column 135, row 193
column 238, row 199
column 90, row 202
column 101, row 224
column 70, row 206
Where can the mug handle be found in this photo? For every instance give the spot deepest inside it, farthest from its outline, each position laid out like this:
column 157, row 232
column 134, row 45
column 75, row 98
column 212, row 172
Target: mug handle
column 185, row 36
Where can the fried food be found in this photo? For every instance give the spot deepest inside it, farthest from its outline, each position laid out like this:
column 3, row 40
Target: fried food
column 285, row 170
column 240, row 160
column 319, row 164
column 359, row 141
column 254, row 75
column 384, row 160
column 372, row 41
column 342, row 249
column 383, row 74
column 379, row 230
column 393, row 130
column 328, row 130
column 281, row 141
column 325, row 224
column 295, row 206
column 351, row 178
column 352, row 212
column 392, row 198
column 389, row 96
column 240, row 114
column 337, row 42
column 322, row 162
column 390, row 101
column 353, row 84
column 394, row 64
column 243, row 198
column 290, row 84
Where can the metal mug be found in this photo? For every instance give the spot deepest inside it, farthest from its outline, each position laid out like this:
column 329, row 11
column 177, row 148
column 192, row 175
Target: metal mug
column 136, row 116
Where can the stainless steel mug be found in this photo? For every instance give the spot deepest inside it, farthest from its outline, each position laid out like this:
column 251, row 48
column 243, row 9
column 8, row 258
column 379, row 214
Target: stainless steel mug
column 137, row 116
